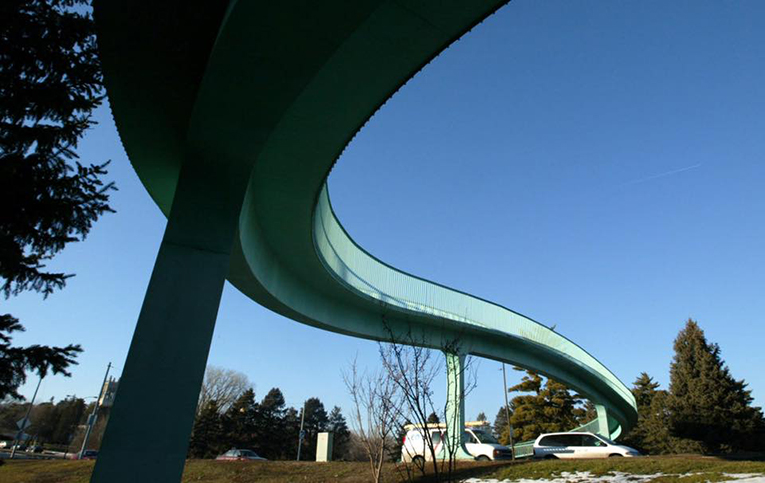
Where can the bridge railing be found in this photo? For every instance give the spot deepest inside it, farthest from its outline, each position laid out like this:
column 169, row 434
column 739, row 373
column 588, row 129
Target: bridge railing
column 373, row 278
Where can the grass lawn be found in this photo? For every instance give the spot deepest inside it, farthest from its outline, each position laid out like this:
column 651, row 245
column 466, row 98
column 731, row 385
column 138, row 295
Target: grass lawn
column 201, row 471
column 206, row 471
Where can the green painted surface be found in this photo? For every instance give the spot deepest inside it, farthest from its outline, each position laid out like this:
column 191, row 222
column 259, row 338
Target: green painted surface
column 162, row 375
column 602, row 420
column 250, row 104
column 455, row 406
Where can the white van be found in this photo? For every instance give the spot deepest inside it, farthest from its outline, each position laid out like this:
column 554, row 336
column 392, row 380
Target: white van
column 578, row 445
column 478, row 440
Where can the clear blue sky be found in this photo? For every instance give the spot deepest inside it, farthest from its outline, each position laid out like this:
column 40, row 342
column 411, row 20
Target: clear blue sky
column 595, row 165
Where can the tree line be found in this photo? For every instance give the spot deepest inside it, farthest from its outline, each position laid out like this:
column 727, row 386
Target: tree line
column 58, row 426
column 704, row 409
column 229, row 416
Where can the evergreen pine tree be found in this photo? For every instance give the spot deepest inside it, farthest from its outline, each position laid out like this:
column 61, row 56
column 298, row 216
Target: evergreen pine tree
column 45, row 417
column 288, row 450
column 271, row 426
column 501, row 430
column 50, row 84
column 550, row 407
column 589, row 412
column 560, row 407
column 527, row 411
column 207, row 433
column 341, row 437
column 706, row 404
column 239, row 422
column 315, row 422
column 71, row 411
column 657, row 436
column 644, row 389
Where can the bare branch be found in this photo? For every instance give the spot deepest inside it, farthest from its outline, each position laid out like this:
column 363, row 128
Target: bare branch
column 376, row 409
column 223, row 386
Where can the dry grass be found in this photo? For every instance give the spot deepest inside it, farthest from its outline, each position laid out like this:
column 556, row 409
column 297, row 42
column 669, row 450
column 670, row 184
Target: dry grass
column 45, row 471
column 207, row 471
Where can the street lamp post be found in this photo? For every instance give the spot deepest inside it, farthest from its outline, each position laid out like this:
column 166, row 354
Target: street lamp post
column 94, row 414
column 26, row 418
column 302, row 433
column 507, row 413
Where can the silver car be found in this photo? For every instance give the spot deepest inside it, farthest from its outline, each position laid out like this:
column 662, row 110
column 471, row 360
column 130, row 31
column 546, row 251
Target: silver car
column 579, row 445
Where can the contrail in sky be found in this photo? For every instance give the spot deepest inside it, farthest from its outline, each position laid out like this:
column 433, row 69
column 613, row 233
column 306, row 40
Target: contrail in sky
column 661, row 175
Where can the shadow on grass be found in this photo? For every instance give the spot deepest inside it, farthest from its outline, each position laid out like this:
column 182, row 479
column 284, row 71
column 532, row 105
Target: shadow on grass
column 743, row 456
column 472, row 470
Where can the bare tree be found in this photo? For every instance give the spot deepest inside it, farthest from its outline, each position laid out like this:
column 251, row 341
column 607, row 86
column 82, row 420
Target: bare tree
column 356, row 449
column 377, row 404
column 413, row 368
column 223, row 386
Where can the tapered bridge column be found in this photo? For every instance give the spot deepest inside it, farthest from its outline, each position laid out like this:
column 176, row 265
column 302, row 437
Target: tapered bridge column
column 603, row 421
column 455, row 405
column 146, row 439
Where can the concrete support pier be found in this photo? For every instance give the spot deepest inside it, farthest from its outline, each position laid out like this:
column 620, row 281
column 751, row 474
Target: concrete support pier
column 148, row 433
column 455, row 406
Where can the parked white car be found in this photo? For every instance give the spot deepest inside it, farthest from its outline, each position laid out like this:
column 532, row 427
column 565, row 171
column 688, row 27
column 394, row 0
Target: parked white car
column 479, row 442
column 579, row 445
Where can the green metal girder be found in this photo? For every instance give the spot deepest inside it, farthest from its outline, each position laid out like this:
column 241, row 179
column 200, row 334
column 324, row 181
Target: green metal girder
column 260, row 99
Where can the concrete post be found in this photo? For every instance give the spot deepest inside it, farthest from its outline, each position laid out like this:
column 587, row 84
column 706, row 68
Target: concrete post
column 455, row 406
column 602, row 421
column 153, row 414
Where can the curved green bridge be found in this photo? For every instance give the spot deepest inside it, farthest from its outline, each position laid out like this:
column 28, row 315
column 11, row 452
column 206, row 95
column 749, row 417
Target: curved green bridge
column 233, row 114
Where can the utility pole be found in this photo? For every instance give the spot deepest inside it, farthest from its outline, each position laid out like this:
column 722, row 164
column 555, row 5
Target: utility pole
column 94, row 414
column 302, row 433
column 507, row 413
column 16, row 442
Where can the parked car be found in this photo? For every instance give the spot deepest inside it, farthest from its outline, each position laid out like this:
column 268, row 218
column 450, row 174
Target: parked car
column 240, row 455
column 88, row 454
column 35, row 448
column 5, row 444
column 480, row 443
column 579, row 445
column 478, row 440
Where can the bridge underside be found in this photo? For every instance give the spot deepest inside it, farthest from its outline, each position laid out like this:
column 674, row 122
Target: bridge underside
column 233, row 114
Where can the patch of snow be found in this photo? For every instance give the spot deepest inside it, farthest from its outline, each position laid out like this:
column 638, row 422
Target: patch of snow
column 580, row 477
column 745, row 477
column 617, row 477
